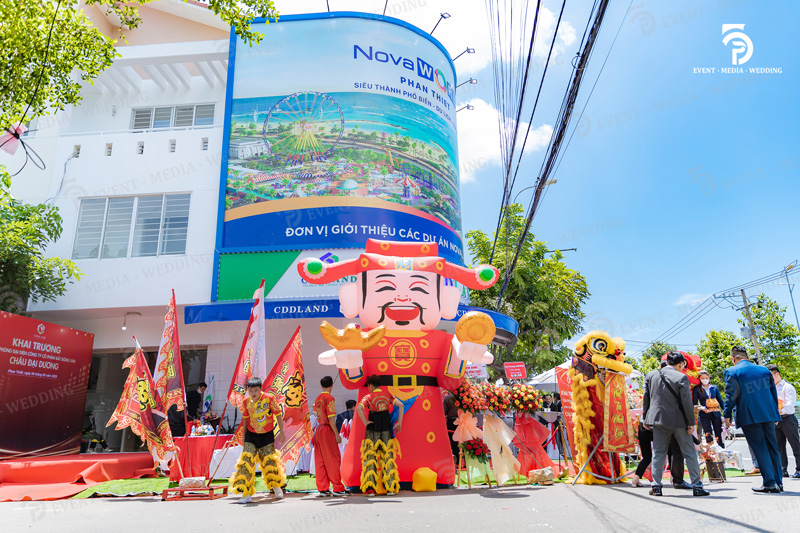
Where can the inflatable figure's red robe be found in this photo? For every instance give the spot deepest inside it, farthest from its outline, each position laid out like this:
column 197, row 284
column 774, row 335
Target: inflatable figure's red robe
column 406, row 356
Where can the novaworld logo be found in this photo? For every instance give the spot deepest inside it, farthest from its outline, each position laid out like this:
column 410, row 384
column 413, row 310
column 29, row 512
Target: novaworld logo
column 741, row 47
column 422, row 68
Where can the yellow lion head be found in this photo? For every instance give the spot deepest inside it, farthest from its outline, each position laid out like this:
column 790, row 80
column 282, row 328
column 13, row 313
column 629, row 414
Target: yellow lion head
column 598, row 349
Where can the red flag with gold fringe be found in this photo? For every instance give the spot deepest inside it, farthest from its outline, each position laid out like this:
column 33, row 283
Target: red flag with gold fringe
column 616, row 417
column 287, row 382
column 252, row 359
column 138, row 406
column 168, row 376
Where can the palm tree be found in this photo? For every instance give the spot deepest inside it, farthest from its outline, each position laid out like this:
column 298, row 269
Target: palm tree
column 414, row 149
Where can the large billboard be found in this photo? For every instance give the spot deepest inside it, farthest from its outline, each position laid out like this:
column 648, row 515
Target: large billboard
column 44, row 375
column 340, row 127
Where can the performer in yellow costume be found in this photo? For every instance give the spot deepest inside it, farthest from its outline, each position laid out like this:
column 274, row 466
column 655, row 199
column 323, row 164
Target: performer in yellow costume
column 259, row 412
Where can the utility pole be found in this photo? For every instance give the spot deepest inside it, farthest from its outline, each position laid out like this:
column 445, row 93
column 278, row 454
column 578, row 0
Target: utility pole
column 786, row 270
column 753, row 335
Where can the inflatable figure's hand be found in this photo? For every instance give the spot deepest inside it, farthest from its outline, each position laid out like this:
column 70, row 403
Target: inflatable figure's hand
column 352, row 337
column 474, row 353
column 475, row 330
column 347, row 359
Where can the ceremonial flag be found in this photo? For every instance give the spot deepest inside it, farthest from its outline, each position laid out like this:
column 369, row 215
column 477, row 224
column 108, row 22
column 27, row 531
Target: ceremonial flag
column 252, row 360
column 168, row 376
column 138, row 407
column 565, row 389
column 287, row 382
column 208, row 398
column 616, row 417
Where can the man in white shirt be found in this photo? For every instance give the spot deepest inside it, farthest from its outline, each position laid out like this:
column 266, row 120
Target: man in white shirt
column 787, row 428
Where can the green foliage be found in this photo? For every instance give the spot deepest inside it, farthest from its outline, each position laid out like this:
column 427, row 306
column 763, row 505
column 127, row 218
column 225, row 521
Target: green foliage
column 651, row 357
column 780, row 339
column 25, row 273
column 543, row 295
column 78, row 51
column 715, row 351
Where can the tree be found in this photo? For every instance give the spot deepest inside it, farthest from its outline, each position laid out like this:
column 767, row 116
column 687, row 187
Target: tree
column 543, row 295
column 651, row 357
column 51, row 47
column 715, row 351
column 25, row 273
column 780, row 340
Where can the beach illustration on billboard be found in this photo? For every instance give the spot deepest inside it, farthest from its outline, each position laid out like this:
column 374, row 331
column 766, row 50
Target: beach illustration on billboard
column 351, row 145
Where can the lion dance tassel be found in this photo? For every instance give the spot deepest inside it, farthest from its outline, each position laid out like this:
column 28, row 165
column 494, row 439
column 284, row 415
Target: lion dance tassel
column 379, row 466
column 243, row 480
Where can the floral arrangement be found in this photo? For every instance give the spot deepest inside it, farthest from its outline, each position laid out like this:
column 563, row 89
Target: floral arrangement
column 476, row 449
column 635, row 398
column 525, row 399
column 497, row 398
column 468, row 397
column 472, row 398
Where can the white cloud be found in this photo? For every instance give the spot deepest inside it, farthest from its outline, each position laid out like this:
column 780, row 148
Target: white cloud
column 690, row 299
column 468, row 25
column 479, row 138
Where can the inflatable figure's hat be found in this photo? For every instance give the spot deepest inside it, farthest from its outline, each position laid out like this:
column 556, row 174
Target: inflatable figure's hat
column 389, row 255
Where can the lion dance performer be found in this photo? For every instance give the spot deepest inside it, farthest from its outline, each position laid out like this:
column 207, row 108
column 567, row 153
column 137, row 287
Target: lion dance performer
column 379, row 450
column 259, row 412
column 596, row 356
column 402, row 291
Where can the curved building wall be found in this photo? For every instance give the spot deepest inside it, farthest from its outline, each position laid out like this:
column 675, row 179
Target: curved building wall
column 340, row 127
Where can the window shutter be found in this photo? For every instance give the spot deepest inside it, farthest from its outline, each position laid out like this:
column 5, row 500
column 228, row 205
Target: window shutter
column 184, row 116
column 91, row 216
column 176, row 224
column 162, row 118
column 142, row 119
column 204, row 115
column 118, row 228
column 147, row 227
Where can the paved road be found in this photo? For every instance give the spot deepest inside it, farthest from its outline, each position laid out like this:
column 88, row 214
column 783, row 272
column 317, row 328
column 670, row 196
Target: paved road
column 732, row 507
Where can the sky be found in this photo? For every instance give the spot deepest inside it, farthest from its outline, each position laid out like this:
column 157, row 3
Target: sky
column 676, row 184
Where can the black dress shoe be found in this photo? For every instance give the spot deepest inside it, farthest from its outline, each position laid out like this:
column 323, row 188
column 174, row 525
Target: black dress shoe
column 700, row 492
column 785, row 473
column 682, row 486
column 655, row 491
column 780, row 487
column 770, row 489
column 796, row 475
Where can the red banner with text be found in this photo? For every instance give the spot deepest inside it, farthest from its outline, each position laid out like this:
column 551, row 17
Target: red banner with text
column 616, row 417
column 44, row 375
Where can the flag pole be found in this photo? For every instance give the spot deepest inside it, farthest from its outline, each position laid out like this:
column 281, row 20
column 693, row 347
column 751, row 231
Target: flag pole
column 174, row 306
column 227, row 400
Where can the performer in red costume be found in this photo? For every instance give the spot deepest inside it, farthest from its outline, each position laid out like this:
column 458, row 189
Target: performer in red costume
column 403, row 290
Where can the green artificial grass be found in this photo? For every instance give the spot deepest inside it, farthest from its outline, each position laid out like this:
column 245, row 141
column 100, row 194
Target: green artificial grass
column 145, row 486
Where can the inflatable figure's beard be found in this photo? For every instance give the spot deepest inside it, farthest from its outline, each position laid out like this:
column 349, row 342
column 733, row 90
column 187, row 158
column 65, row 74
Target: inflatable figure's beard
column 402, row 315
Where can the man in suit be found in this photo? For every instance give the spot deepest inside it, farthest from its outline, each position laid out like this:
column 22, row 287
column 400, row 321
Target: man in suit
column 350, row 406
column 751, row 397
column 668, row 411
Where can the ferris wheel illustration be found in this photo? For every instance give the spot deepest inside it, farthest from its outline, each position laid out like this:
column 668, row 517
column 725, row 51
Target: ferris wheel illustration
column 304, row 127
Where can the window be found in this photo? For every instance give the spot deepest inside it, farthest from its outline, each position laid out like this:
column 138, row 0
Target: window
column 140, row 147
column 31, row 125
column 76, row 151
column 182, row 116
column 109, row 147
column 204, row 144
column 143, row 226
column 172, row 145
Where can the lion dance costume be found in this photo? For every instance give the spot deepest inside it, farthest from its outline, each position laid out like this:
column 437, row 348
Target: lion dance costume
column 596, row 353
column 258, row 441
column 379, row 449
column 401, row 292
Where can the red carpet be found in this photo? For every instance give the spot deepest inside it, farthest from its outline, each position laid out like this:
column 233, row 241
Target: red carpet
column 52, row 478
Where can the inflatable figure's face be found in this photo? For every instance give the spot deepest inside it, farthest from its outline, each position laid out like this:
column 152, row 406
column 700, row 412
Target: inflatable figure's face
column 400, row 299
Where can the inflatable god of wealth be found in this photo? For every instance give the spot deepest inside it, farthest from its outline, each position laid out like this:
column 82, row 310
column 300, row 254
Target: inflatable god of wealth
column 403, row 290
